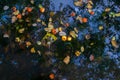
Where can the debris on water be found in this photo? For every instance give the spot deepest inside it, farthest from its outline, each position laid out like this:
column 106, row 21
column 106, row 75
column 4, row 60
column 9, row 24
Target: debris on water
column 32, row 50
column 114, row 43
column 91, row 57
column 6, row 7
column 77, row 53
column 82, row 48
column 66, row 60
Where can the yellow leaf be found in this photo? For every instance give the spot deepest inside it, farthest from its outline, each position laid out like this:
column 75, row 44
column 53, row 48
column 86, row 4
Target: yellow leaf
column 77, row 53
column 32, row 50
column 90, row 2
column 78, row 3
column 76, row 30
column 89, row 6
column 21, row 30
column 91, row 43
column 17, row 39
column 117, row 14
column 66, row 60
column 50, row 19
column 100, row 27
column 16, row 12
column 73, row 34
column 114, row 43
column 107, row 9
column 50, row 35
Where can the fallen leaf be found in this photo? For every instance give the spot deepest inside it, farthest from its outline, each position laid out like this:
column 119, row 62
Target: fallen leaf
column 107, row 9
column 76, row 30
column 52, row 76
column 78, row 3
column 32, row 1
column 77, row 53
column 14, row 18
column 6, row 35
column 28, row 43
column 100, row 27
column 62, row 33
column 114, row 43
column 66, row 60
column 117, row 14
column 73, row 34
column 5, row 7
column 32, row 50
column 50, row 25
column 17, row 39
column 16, row 12
column 89, row 6
column 82, row 48
column 91, row 57
column 21, row 30
column 38, row 43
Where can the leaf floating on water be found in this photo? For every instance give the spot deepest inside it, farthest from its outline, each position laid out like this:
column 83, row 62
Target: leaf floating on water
column 78, row 3
column 62, row 33
column 117, row 14
column 107, row 9
column 32, row 50
column 28, row 43
column 114, row 43
column 43, row 23
column 112, row 14
column 5, row 7
column 66, row 60
column 47, row 29
column 52, row 14
column 82, row 49
column 52, row 76
column 100, row 27
column 32, row 1
column 90, row 2
column 38, row 43
column 50, row 25
column 17, row 39
column 87, row 36
column 50, row 19
column 14, row 18
column 16, row 12
column 39, row 52
column 89, row 6
column 76, row 30
column 34, row 24
column 6, row 35
column 38, row 20
column 91, row 57
column 21, row 30
column 77, row 53
column 73, row 34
